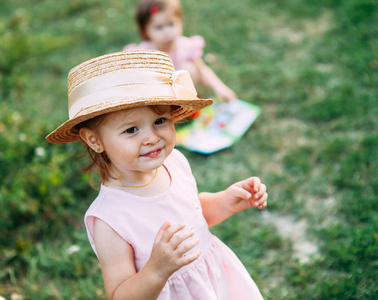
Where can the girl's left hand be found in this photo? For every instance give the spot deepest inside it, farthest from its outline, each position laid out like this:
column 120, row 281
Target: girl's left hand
column 224, row 93
column 247, row 193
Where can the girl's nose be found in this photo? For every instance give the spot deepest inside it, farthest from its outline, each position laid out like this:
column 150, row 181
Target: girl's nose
column 151, row 137
column 169, row 32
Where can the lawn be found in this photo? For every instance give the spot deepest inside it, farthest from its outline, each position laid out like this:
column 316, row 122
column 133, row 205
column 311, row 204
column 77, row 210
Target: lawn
column 311, row 66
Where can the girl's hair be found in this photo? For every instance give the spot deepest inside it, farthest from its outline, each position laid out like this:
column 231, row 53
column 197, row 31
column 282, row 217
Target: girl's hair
column 146, row 8
column 100, row 162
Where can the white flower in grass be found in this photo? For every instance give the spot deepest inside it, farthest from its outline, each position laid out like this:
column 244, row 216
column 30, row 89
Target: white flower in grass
column 22, row 138
column 2, row 298
column 39, row 151
column 16, row 296
column 73, row 249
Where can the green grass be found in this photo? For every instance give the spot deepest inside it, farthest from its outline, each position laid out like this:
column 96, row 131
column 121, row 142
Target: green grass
column 311, row 66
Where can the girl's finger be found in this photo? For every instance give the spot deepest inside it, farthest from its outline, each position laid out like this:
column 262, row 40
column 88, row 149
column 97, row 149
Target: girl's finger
column 190, row 257
column 248, row 184
column 261, row 191
column 252, row 184
column 180, row 237
column 241, row 192
column 186, row 246
column 161, row 231
column 263, row 205
column 256, row 184
column 169, row 232
column 262, row 202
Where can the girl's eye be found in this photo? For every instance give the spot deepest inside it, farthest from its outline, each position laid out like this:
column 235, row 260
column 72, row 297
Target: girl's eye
column 171, row 24
column 131, row 130
column 160, row 121
column 159, row 27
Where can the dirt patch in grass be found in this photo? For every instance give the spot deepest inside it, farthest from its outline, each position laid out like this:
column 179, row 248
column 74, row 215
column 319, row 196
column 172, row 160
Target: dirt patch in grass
column 295, row 231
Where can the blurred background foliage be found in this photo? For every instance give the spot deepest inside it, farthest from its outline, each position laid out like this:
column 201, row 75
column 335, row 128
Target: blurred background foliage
column 311, row 66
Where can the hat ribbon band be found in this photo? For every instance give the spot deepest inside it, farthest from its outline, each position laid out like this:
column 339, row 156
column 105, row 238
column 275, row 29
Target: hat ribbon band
column 129, row 85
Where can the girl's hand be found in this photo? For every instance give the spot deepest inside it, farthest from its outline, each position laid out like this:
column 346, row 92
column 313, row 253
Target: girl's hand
column 169, row 252
column 204, row 75
column 224, row 93
column 245, row 194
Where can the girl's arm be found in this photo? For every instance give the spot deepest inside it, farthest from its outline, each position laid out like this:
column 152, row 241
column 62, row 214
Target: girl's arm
column 117, row 261
column 210, row 80
column 217, row 207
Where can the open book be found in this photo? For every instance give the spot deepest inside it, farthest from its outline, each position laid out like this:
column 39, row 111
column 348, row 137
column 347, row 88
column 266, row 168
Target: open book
column 217, row 126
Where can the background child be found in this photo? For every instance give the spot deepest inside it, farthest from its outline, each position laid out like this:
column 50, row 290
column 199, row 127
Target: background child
column 160, row 24
column 149, row 226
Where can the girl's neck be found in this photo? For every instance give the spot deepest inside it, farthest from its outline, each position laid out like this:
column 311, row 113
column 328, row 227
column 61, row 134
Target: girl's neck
column 133, row 179
column 150, row 184
column 168, row 50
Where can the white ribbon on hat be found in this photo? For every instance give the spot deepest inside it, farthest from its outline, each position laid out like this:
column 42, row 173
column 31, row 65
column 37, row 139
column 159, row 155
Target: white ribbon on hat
column 128, row 85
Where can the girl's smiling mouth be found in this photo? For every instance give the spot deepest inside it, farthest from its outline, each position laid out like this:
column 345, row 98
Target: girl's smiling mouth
column 153, row 153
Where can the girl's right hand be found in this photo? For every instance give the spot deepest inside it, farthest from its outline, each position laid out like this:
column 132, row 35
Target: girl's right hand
column 169, row 252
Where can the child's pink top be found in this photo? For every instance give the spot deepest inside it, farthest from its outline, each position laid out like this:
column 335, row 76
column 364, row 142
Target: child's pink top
column 188, row 49
column 216, row 274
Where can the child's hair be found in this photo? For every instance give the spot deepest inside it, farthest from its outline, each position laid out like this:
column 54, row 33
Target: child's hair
column 147, row 8
column 100, row 162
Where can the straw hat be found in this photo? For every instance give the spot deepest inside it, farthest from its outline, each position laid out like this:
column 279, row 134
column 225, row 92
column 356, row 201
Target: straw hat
column 125, row 80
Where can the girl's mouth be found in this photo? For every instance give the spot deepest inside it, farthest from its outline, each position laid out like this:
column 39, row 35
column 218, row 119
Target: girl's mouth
column 153, row 153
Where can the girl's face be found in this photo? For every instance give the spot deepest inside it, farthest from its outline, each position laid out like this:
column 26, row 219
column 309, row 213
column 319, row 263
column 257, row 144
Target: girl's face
column 163, row 29
column 137, row 140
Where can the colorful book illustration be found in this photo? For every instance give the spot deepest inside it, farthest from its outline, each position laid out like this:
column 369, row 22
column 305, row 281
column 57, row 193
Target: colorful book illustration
column 218, row 126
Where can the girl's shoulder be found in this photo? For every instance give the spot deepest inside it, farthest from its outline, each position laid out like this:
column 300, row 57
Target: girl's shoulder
column 195, row 41
column 190, row 48
column 144, row 45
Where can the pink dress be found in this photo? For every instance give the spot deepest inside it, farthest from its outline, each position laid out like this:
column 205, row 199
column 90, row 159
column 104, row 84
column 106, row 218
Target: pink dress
column 188, row 49
column 216, row 275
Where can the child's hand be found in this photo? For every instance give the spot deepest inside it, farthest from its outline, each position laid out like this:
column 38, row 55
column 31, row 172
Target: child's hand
column 245, row 194
column 224, row 93
column 169, row 252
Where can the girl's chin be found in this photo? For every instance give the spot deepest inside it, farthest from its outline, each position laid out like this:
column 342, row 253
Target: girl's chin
column 168, row 47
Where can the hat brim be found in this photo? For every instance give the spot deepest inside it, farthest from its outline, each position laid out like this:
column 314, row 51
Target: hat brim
column 68, row 133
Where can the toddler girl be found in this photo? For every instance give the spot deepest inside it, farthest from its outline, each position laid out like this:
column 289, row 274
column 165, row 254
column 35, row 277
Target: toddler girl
column 148, row 226
column 160, row 25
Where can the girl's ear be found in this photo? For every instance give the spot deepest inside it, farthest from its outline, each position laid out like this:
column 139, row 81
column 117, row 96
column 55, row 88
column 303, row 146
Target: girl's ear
column 92, row 140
